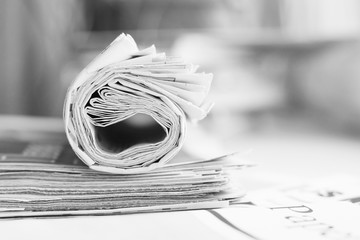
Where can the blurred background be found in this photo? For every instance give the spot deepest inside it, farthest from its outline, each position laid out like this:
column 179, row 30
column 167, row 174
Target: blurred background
column 281, row 67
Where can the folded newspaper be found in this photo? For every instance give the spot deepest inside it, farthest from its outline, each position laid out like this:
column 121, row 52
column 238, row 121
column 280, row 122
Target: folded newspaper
column 127, row 110
column 125, row 117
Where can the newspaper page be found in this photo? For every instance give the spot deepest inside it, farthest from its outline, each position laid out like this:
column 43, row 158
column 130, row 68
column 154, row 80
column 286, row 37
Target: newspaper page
column 327, row 208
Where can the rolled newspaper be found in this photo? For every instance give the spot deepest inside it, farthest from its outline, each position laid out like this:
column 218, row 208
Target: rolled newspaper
column 127, row 111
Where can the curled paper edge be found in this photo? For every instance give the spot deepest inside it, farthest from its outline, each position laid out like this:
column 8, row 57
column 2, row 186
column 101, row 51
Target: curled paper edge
column 122, row 48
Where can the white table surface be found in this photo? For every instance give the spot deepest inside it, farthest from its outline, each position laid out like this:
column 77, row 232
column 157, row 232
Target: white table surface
column 282, row 157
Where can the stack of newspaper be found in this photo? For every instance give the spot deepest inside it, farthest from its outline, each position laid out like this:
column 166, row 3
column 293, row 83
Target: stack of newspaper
column 47, row 179
column 125, row 117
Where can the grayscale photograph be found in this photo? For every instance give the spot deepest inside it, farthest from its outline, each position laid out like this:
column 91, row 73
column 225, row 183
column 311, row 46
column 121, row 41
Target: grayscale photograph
column 188, row 119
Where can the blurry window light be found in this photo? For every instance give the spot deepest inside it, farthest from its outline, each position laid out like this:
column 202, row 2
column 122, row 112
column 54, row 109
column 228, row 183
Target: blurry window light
column 327, row 19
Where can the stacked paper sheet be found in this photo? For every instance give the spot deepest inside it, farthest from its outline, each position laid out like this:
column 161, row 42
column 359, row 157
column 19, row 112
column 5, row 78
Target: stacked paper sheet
column 58, row 184
column 117, row 91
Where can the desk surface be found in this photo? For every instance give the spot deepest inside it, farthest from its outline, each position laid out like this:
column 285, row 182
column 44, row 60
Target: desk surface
column 281, row 158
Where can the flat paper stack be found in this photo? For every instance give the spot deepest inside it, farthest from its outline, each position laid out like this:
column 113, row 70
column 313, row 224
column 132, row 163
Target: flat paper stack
column 49, row 180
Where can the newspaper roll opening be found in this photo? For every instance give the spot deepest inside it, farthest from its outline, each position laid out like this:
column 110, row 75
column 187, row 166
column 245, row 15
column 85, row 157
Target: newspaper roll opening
column 127, row 111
